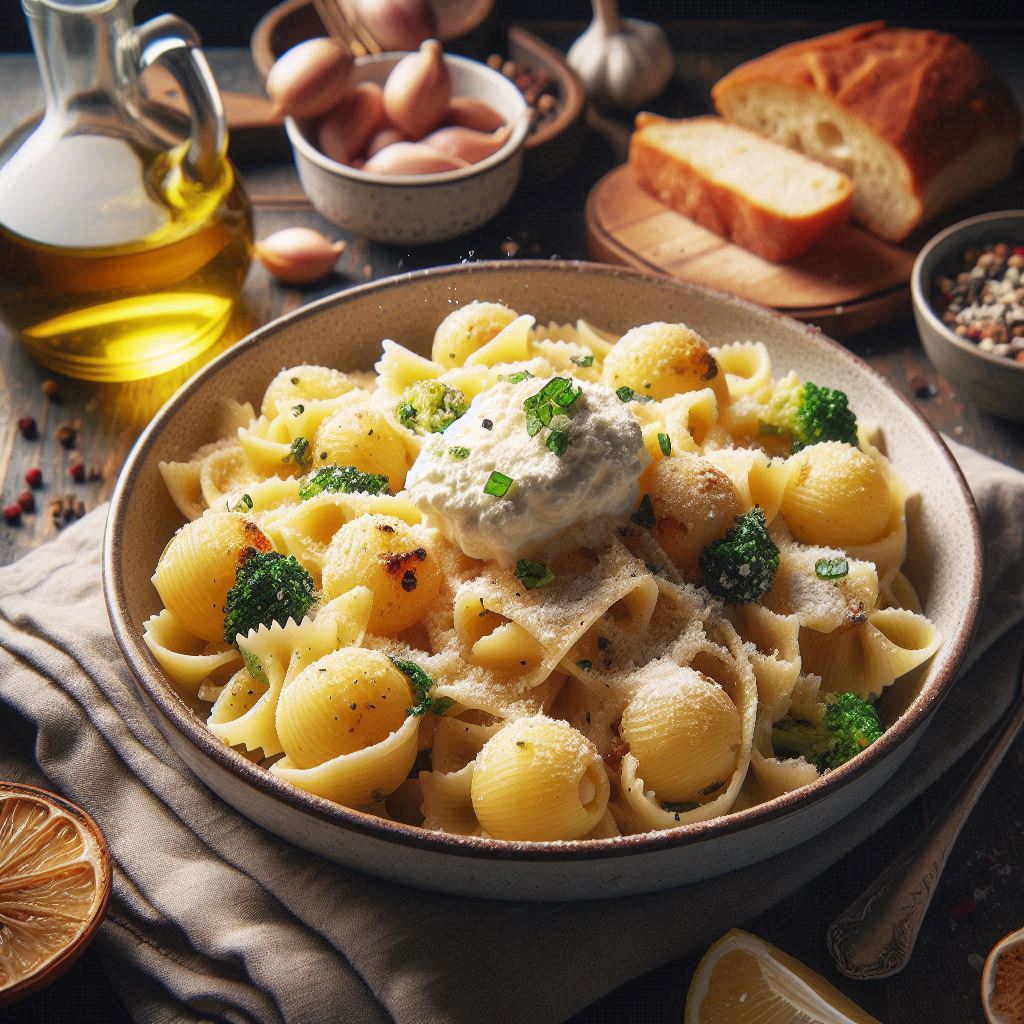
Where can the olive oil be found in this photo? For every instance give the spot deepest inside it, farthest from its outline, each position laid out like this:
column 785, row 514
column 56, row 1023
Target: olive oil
column 115, row 264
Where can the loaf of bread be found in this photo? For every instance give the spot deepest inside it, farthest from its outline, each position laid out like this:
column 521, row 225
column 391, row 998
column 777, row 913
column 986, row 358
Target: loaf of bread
column 915, row 118
column 763, row 196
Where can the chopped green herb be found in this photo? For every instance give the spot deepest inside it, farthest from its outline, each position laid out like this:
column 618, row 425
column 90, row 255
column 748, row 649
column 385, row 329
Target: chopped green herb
column 644, row 515
column 298, row 410
column 558, row 442
column 533, row 575
column 422, row 684
column 458, row 452
column 244, row 504
column 681, row 807
column 583, row 361
column 295, row 380
column 831, row 568
column 497, row 484
column 518, row 377
column 627, row 394
column 441, row 705
column 665, row 443
column 585, row 664
column 298, row 453
column 534, row 424
column 344, row 480
column 254, row 666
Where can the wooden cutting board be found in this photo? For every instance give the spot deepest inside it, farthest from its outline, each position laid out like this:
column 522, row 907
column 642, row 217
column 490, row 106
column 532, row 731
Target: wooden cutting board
column 845, row 284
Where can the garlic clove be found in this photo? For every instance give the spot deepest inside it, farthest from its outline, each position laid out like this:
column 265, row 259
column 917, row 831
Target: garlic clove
column 397, row 24
column 417, row 90
column 412, row 158
column 384, row 137
column 471, row 112
column 310, row 78
column 467, row 144
column 345, row 130
column 298, row 255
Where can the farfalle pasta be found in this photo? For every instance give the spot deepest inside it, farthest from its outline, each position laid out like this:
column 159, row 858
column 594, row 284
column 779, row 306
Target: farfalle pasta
column 545, row 584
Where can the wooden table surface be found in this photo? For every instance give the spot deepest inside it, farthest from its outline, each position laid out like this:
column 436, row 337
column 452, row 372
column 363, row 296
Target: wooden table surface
column 981, row 895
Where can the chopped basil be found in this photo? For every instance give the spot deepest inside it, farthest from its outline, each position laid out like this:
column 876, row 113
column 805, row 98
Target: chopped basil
column 254, row 666
column 441, row 705
column 583, row 361
column 831, row 568
column 497, row 484
column 644, row 515
column 422, row 684
column 558, row 442
column 533, row 575
column 665, row 443
column 518, row 377
column 298, row 452
column 344, row 480
column 627, row 394
column 458, row 452
column 547, row 409
column 244, row 504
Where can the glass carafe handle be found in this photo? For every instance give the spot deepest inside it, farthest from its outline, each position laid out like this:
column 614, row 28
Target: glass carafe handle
column 174, row 43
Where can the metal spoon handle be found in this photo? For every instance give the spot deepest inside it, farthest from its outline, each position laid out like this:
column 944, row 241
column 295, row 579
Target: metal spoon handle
column 874, row 937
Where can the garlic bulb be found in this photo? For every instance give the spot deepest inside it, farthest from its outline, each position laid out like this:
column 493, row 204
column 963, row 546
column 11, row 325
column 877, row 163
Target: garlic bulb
column 622, row 62
column 310, row 78
column 416, row 92
column 298, row 255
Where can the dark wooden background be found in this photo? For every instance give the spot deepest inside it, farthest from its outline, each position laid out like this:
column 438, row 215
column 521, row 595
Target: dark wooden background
column 981, row 896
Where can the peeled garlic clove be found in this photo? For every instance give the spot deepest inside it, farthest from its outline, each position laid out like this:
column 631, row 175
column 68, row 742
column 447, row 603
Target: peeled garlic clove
column 298, row 255
column 412, row 158
column 416, row 92
column 467, row 144
column 397, row 24
column 310, row 78
column 471, row 112
column 345, row 130
column 385, row 137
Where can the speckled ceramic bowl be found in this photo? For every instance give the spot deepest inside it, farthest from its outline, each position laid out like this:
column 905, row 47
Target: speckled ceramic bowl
column 993, row 383
column 421, row 208
column 345, row 331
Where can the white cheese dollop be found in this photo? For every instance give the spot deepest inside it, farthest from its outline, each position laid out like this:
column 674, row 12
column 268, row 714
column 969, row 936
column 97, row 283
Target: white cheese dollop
column 598, row 475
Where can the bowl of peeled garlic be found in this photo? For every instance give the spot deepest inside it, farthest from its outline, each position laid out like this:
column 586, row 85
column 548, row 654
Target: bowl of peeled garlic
column 420, row 147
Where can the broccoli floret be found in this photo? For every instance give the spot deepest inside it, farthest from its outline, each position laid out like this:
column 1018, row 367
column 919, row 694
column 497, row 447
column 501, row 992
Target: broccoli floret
column 848, row 725
column 269, row 587
column 428, row 406
column 345, row 479
column 810, row 414
column 741, row 565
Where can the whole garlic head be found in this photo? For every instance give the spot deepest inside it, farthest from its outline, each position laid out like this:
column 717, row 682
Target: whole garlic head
column 622, row 62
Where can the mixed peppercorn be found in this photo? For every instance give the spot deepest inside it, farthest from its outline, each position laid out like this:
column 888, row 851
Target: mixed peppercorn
column 536, row 86
column 982, row 299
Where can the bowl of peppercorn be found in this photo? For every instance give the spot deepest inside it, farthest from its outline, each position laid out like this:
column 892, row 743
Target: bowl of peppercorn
column 968, row 292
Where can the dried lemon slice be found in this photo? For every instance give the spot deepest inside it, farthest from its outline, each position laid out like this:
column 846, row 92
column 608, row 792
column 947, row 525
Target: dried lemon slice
column 54, row 886
column 743, row 979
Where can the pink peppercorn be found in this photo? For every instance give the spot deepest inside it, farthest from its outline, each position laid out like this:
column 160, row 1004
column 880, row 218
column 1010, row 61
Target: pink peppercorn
column 12, row 513
column 34, row 477
column 77, row 471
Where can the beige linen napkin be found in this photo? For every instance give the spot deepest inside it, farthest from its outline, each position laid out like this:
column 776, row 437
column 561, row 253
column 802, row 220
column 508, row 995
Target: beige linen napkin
column 211, row 917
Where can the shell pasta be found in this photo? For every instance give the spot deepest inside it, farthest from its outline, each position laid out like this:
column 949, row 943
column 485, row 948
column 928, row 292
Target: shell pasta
column 541, row 583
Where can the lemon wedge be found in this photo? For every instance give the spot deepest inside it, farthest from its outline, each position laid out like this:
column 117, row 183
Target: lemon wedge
column 54, row 886
column 744, row 979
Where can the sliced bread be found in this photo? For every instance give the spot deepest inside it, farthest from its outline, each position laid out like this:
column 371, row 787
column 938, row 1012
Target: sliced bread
column 915, row 118
column 763, row 196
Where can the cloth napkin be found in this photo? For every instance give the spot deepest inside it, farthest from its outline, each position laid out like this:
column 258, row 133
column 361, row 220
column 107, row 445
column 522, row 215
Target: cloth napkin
column 211, row 917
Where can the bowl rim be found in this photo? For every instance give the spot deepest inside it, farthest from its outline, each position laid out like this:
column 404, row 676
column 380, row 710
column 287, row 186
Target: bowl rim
column 512, row 145
column 919, row 288
column 183, row 720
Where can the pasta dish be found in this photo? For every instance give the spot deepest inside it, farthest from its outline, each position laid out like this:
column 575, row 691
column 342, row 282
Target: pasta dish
column 546, row 585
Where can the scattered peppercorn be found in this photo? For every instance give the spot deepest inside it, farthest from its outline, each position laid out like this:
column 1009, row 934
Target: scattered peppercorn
column 67, row 435
column 27, row 501
column 76, row 471
column 537, row 88
column 65, row 510
column 93, row 472
column 12, row 513
column 51, row 389
column 28, row 428
column 34, row 477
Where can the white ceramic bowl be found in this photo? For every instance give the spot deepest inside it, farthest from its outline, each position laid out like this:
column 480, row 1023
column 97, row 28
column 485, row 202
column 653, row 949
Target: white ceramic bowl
column 421, row 208
column 344, row 331
column 993, row 383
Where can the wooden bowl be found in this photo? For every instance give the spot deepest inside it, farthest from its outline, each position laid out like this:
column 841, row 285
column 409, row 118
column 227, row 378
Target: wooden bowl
column 345, row 330
column 549, row 150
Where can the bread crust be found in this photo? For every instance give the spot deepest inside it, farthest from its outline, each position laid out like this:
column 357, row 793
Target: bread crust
column 926, row 93
column 729, row 212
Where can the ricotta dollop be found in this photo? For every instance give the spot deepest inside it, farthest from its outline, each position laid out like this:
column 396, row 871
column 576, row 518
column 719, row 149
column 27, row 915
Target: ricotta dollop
column 597, row 475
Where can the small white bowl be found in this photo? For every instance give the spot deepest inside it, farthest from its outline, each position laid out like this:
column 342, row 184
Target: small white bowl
column 994, row 383
column 416, row 209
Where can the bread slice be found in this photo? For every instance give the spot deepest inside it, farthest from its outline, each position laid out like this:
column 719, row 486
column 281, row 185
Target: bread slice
column 915, row 118
column 762, row 195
